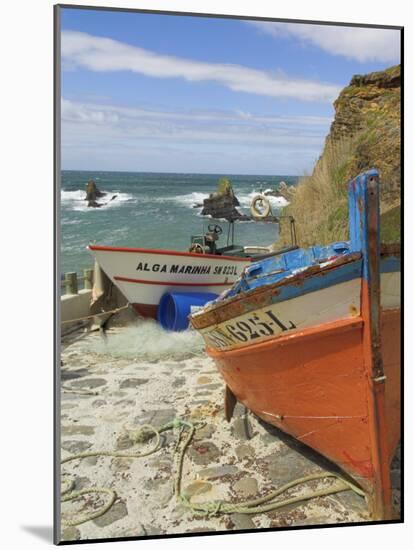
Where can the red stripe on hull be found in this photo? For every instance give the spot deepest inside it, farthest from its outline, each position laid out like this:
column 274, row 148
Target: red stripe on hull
column 165, row 283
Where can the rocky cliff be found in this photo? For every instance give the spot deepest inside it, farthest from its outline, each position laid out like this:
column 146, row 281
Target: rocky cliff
column 369, row 109
column 365, row 134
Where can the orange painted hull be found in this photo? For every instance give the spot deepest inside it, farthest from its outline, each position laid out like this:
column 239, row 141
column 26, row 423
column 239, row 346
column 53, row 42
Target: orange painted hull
column 316, row 385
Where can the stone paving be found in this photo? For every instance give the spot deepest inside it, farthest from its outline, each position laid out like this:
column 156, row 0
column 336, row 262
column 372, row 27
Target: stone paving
column 108, row 390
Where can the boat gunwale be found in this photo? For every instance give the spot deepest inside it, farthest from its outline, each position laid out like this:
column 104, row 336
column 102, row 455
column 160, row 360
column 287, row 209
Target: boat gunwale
column 199, row 319
column 100, row 248
column 390, row 250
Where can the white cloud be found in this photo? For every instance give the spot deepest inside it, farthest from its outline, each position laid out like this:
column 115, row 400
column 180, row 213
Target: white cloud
column 362, row 44
column 128, row 124
column 130, row 138
column 104, row 54
column 98, row 112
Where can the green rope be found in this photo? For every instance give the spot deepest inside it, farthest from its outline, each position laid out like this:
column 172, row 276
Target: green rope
column 145, row 433
column 257, row 506
column 69, row 389
column 253, row 506
column 91, row 515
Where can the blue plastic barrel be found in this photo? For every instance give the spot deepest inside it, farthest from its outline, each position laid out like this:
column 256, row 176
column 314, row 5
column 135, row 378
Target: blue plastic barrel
column 175, row 307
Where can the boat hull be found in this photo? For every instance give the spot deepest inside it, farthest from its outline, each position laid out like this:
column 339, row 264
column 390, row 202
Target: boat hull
column 314, row 380
column 143, row 275
column 313, row 385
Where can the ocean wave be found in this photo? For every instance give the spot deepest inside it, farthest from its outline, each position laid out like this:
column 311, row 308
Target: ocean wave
column 190, row 199
column 75, row 200
column 245, row 199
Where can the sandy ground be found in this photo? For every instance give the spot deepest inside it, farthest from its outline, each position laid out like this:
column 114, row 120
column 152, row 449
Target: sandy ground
column 141, row 375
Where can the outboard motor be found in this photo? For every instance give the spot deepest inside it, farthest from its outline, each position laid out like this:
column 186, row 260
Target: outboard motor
column 212, row 236
column 206, row 244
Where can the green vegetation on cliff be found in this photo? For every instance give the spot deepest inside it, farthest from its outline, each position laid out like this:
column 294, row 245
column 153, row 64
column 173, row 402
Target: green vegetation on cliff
column 364, row 134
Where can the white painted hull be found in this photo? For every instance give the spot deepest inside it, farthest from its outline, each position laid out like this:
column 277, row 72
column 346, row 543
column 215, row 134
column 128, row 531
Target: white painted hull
column 143, row 276
column 327, row 305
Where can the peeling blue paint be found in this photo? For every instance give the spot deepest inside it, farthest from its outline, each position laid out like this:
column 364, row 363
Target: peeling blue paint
column 358, row 216
column 340, row 274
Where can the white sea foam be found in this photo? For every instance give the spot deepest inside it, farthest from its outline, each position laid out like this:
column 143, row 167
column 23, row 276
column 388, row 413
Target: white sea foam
column 72, row 195
column 190, row 199
column 245, row 199
column 147, row 340
column 75, row 200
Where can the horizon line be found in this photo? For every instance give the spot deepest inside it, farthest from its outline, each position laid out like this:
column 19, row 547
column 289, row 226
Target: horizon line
column 273, row 174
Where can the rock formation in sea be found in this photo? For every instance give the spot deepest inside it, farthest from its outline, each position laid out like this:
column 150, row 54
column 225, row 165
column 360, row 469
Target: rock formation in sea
column 92, row 194
column 283, row 190
column 222, row 204
column 365, row 134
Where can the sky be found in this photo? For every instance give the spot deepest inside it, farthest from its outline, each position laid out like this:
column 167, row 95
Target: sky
column 163, row 93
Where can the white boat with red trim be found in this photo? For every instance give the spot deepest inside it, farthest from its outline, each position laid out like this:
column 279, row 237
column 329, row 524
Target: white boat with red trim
column 145, row 275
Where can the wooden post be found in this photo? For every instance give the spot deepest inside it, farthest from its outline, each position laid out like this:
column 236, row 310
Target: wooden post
column 364, row 220
column 71, row 283
column 87, row 279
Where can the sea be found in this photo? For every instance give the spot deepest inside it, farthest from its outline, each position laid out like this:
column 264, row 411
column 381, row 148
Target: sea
column 153, row 210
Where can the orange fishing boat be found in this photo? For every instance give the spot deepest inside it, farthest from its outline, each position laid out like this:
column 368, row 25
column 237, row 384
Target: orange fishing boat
column 310, row 342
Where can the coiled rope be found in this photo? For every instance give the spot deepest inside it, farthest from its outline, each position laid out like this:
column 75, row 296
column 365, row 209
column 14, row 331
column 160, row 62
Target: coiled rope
column 254, row 506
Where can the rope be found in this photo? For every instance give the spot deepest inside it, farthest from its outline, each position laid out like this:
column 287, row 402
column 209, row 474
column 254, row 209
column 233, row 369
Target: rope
column 257, row 506
column 253, row 506
column 116, row 310
column 92, row 515
column 68, row 494
column 68, row 389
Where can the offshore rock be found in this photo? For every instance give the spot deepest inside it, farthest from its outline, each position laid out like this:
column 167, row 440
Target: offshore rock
column 92, row 194
column 286, row 191
column 282, row 190
column 222, row 204
column 92, row 191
